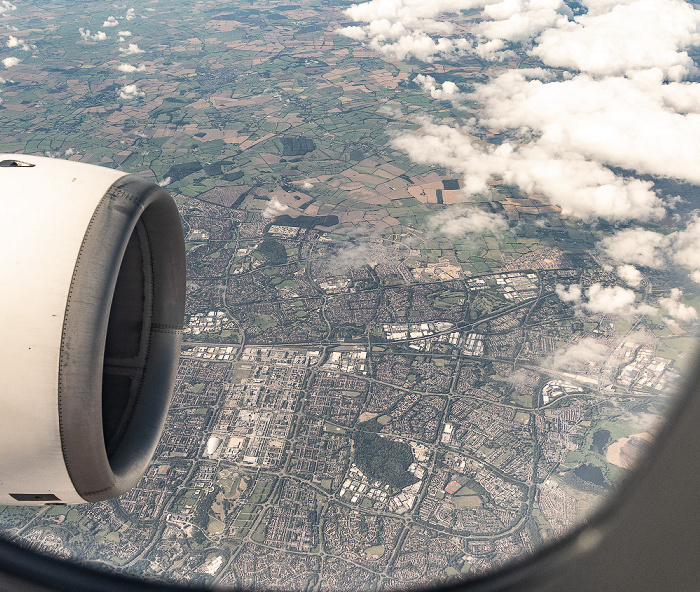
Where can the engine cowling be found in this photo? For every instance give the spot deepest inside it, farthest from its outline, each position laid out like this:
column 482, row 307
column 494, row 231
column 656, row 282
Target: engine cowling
column 91, row 312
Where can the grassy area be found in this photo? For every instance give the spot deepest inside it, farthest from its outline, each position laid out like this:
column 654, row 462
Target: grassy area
column 522, row 417
column 260, row 492
column 377, row 551
column 215, row 526
column 466, row 501
column 264, row 321
column 333, row 429
column 678, row 348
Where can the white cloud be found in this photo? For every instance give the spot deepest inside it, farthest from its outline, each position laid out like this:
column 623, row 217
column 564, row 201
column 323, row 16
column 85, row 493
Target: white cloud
column 623, row 103
column 6, row 6
column 131, row 49
column 124, row 33
column 599, row 299
column 356, row 33
column 130, row 68
column 412, row 28
column 685, row 246
column 403, row 28
column 390, row 110
column 87, row 36
column 447, row 91
column 630, row 275
column 307, row 185
column 587, row 351
column 653, row 249
column 617, row 39
column 9, row 62
column 580, row 187
column 614, row 300
column 164, row 182
column 111, row 22
column 570, row 294
column 130, row 14
column 2, row 80
column 637, row 246
column 461, row 220
column 130, row 91
column 13, row 41
column 601, row 119
column 411, row 14
column 520, row 20
column 274, row 208
column 353, row 255
column 421, row 46
column 676, row 309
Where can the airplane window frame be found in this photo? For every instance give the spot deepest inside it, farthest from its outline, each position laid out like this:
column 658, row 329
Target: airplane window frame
column 576, row 561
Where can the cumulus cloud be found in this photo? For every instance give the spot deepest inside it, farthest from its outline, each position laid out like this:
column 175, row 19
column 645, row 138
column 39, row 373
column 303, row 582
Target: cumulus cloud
column 447, row 91
column 614, row 300
column 7, row 6
column 652, row 249
column 626, row 63
column 10, row 62
column 620, row 38
column 462, row 220
column 421, row 46
column 356, row 33
column 130, row 91
column 164, row 182
column 405, row 28
column 87, row 36
column 588, row 350
column 580, row 187
column 413, row 28
column 520, row 20
column 353, row 255
column 599, row 299
column 685, row 246
column 13, row 41
column 676, row 309
column 130, row 68
column 630, row 275
column 130, row 14
column 600, row 119
column 390, row 110
column 307, row 185
column 637, row 246
column 570, row 294
column 408, row 14
column 612, row 38
column 111, row 22
column 125, row 33
column 131, row 49
column 274, row 208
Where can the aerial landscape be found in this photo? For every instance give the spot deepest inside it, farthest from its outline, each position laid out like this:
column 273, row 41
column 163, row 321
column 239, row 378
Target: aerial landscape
column 442, row 283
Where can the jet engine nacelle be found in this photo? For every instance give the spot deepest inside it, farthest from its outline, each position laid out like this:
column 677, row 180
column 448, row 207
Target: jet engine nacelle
column 92, row 299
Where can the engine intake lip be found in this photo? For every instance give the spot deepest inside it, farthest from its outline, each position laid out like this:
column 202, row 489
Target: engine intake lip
column 121, row 338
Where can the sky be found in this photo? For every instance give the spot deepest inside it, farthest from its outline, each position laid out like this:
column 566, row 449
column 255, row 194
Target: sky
column 612, row 101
